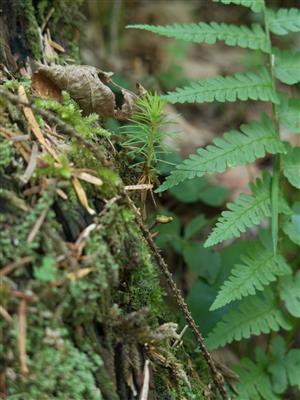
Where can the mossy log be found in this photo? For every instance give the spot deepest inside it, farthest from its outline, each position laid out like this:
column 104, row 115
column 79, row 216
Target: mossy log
column 83, row 310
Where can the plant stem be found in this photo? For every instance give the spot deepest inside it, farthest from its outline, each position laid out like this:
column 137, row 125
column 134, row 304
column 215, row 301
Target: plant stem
column 277, row 161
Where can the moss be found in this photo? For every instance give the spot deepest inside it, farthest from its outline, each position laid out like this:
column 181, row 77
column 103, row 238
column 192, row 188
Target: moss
column 144, row 281
column 13, row 241
column 69, row 372
column 32, row 35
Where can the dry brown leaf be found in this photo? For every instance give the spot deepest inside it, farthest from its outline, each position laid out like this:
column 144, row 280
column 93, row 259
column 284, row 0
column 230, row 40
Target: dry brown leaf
column 37, row 225
column 84, row 176
column 32, row 122
column 57, row 46
column 81, row 273
column 49, row 52
column 82, row 195
column 86, row 85
column 44, row 87
column 31, row 164
column 22, row 337
column 127, row 107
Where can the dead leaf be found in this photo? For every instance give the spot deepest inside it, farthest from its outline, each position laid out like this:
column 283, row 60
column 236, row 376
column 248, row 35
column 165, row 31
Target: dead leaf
column 82, row 195
column 81, row 273
column 49, row 52
column 37, row 225
column 84, row 176
column 32, row 122
column 31, row 164
column 44, row 87
column 86, row 85
column 128, row 106
column 22, row 337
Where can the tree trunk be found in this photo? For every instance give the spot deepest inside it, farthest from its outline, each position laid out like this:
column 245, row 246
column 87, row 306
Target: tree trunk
column 83, row 316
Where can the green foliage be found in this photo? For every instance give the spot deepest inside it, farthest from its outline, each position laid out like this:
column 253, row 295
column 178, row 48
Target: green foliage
column 255, row 383
column 5, row 153
column 291, row 166
column 59, row 372
column 261, row 282
column 247, row 86
column 247, row 37
column 255, row 315
column 289, row 113
column 70, row 113
column 291, row 225
column 200, row 189
column 236, row 148
column 255, row 5
column 144, row 134
column 290, row 293
column 259, row 268
column 245, row 212
column 47, row 271
column 287, row 66
column 284, row 20
column 54, row 169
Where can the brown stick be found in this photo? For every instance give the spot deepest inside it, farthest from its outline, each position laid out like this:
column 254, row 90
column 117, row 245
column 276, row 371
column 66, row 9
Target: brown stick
column 14, row 265
column 215, row 374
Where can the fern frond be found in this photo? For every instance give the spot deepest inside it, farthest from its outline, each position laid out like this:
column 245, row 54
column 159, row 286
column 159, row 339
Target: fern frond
column 254, row 381
column 255, row 5
column 260, row 267
column 287, row 66
column 245, row 212
column 252, row 37
column 289, row 290
column 284, row 20
column 236, row 148
column 291, row 166
column 254, row 316
column 253, row 86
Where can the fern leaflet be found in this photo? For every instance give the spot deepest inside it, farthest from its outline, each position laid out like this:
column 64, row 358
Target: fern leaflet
column 260, row 267
column 284, row 20
column 253, row 86
column 233, row 35
column 255, row 382
column 287, row 66
column 254, row 316
column 245, row 212
column 236, row 148
column 255, row 5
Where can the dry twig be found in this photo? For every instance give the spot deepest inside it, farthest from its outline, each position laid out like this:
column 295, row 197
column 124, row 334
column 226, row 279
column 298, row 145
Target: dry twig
column 215, row 374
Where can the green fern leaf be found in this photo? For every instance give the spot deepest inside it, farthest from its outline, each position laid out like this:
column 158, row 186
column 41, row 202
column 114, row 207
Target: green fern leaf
column 236, row 148
column 245, row 212
column 284, row 20
column 233, row 35
column 287, row 66
column 254, row 316
column 254, row 381
column 255, row 5
column 291, row 166
column 289, row 289
column 253, row 86
column 260, row 267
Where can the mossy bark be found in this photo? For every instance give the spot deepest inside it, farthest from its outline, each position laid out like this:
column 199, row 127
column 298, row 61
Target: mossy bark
column 92, row 306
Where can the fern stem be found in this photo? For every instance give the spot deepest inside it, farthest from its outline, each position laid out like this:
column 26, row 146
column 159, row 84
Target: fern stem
column 277, row 161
